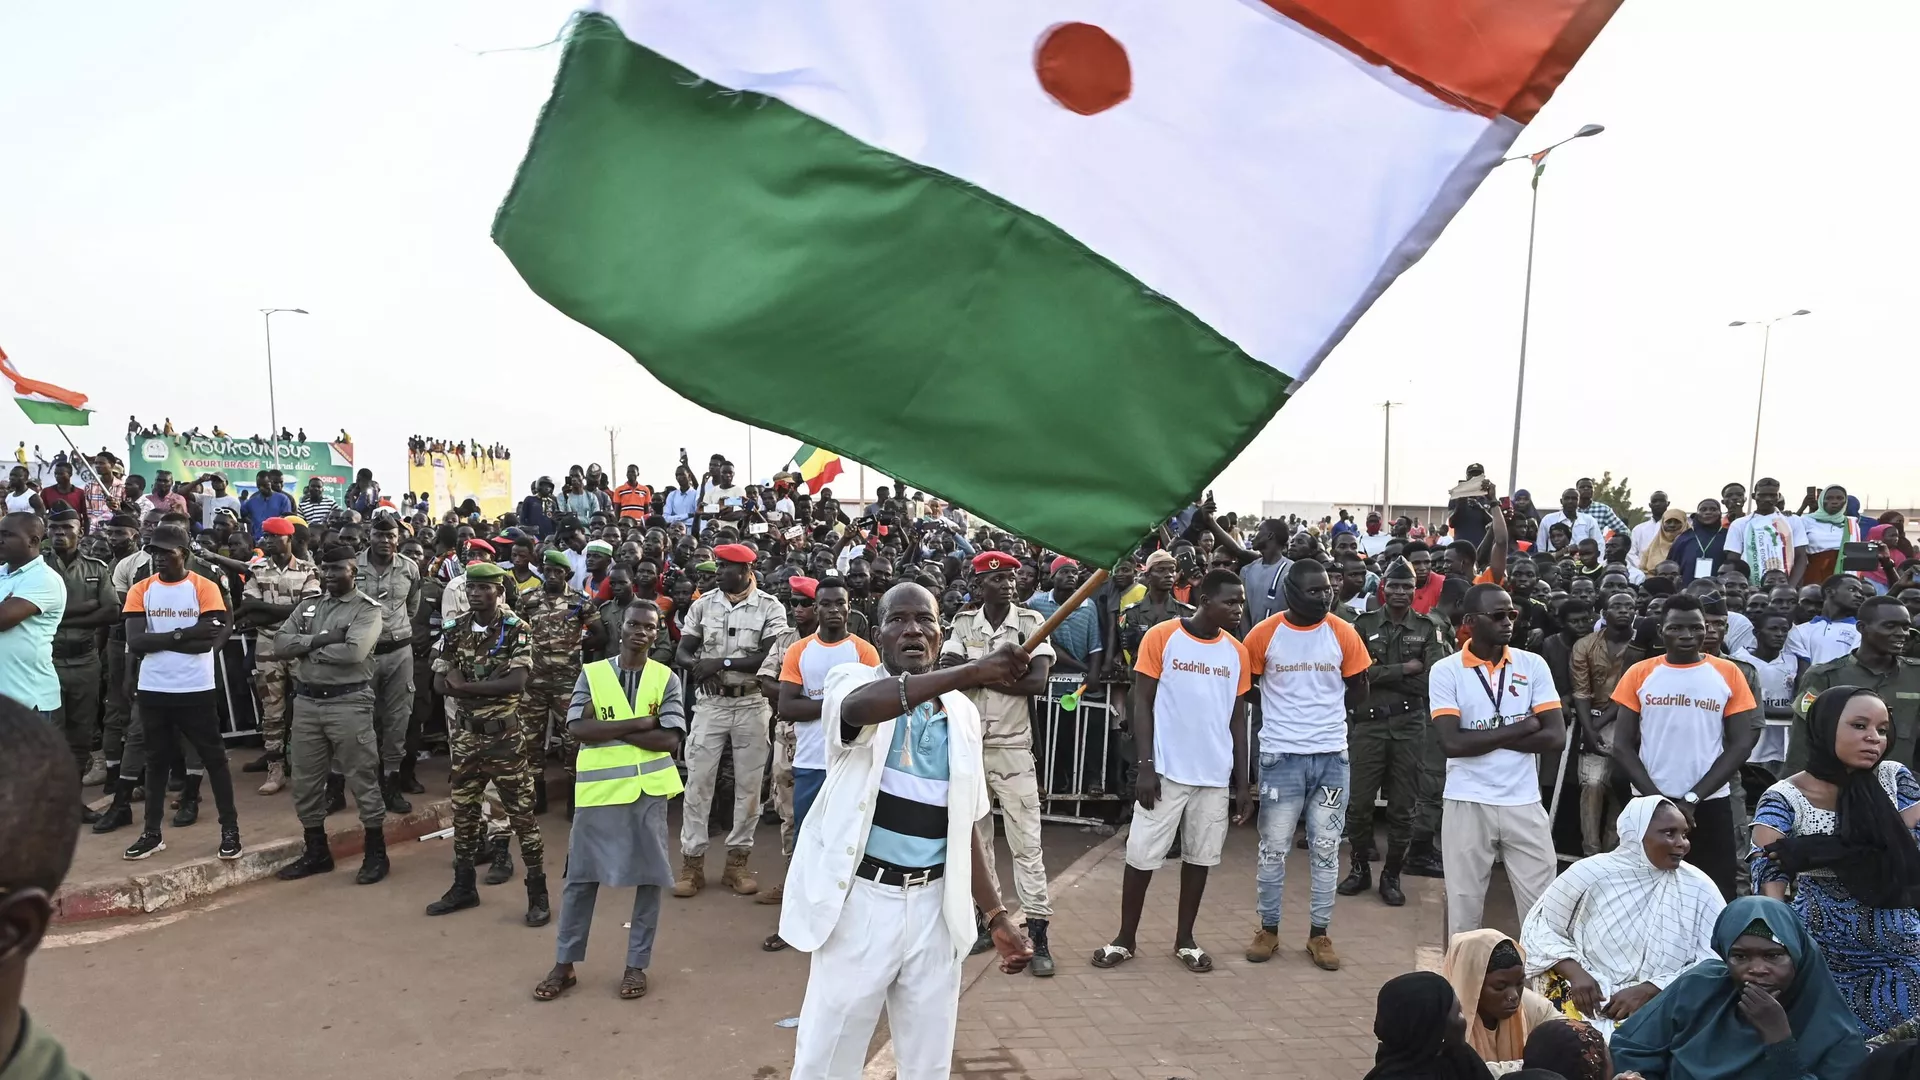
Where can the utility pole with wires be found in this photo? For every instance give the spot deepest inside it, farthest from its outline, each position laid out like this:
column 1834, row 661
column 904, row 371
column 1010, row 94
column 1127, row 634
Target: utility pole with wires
column 613, row 464
column 1386, row 462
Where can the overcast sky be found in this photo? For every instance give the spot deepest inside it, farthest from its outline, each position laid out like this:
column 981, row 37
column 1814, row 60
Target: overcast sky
column 168, row 169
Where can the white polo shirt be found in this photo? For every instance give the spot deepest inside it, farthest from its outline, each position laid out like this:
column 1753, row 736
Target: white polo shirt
column 1683, row 710
column 1465, row 686
column 1303, row 682
column 1199, row 681
column 1821, row 639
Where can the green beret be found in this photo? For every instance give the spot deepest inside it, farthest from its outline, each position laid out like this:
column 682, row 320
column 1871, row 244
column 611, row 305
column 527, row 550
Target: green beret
column 709, row 566
column 485, row 571
column 556, row 557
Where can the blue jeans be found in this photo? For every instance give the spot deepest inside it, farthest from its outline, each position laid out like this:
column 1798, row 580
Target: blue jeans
column 806, row 788
column 1290, row 783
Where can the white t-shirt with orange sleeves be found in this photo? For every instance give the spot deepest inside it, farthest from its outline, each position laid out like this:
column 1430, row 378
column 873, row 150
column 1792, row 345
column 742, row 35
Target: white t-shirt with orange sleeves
column 1464, row 686
column 172, row 606
column 1199, row 680
column 1303, row 682
column 806, row 665
column 1683, row 710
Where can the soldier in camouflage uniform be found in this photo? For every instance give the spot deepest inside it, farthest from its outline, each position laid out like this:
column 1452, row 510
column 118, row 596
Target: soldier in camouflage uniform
column 481, row 665
column 1385, row 737
column 556, row 616
column 278, row 578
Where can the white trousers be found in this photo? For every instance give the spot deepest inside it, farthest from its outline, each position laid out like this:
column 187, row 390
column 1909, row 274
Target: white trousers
column 1471, row 834
column 890, row 947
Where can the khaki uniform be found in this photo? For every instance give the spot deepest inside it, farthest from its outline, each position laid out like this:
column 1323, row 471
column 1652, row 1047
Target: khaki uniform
column 1007, row 736
column 332, row 722
column 555, row 623
column 271, row 583
column 1387, row 737
column 397, row 590
column 780, row 779
column 1899, row 688
column 729, row 712
column 76, row 651
column 485, row 737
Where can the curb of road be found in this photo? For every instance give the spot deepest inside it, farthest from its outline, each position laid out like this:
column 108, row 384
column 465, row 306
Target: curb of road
column 142, row 894
column 881, row 1065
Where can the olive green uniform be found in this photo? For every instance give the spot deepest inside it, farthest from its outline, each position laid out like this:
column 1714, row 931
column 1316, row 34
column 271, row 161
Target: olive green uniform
column 1387, row 737
column 332, row 706
column 1898, row 687
column 397, row 590
column 76, row 650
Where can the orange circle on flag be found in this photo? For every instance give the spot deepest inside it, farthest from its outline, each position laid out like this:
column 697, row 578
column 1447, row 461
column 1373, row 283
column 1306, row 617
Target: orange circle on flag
column 1083, row 68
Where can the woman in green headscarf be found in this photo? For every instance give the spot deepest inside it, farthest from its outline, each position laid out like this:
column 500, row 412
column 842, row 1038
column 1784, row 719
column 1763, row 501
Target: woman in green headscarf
column 1767, row 1009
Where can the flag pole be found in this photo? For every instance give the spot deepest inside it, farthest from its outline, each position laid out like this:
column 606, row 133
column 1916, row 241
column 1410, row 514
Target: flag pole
column 1080, row 595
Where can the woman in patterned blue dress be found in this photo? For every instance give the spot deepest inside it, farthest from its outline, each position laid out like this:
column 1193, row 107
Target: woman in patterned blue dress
column 1843, row 835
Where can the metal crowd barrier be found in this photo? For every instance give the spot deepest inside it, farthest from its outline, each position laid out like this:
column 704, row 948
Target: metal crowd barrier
column 1077, row 761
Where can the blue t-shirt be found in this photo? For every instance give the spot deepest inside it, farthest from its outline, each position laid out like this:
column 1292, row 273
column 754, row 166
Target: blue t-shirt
column 1078, row 634
column 261, row 506
column 910, row 817
column 26, row 651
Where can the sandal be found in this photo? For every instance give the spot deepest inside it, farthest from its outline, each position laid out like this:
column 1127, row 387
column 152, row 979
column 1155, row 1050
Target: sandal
column 553, row 986
column 633, row 985
column 1196, row 960
column 774, row 943
column 1111, row 956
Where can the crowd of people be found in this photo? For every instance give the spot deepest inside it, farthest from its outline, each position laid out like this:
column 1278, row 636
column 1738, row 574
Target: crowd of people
column 1690, row 708
column 418, row 447
column 165, row 429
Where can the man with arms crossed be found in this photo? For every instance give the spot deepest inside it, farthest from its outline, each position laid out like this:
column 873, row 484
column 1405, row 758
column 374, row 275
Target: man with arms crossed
column 1192, row 680
column 888, row 867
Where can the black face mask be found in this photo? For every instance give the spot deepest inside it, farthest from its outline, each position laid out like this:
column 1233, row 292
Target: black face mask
column 1305, row 609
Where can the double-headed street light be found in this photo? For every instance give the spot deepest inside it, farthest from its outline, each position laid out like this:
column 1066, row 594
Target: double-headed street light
column 1766, row 339
column 1539, row 159
column 273, row 409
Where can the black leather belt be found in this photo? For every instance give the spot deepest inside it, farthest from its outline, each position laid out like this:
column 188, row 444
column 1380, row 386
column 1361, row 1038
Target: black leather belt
column 1383, row 712
column 73, row 650
column 735, row 691
column 383, row 647
column 333, row 690
column 884, row 874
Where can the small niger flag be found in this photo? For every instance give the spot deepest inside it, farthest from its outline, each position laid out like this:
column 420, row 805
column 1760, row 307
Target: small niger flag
column 45, row 403
column 817, row 467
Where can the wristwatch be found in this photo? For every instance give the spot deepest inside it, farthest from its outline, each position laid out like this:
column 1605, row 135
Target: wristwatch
column 178, row 636
column 727, row 663
column 1690, row 798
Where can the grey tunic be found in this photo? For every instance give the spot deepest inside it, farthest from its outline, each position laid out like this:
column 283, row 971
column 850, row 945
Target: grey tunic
column 624, row 845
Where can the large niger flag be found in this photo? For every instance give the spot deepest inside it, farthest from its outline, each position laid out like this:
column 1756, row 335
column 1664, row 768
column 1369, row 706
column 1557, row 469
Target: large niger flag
column 1058, row 260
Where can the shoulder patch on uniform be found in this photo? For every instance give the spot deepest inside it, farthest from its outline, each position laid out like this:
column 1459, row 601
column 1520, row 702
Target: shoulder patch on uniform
column 449, row 623
column 512, row 619
column 1806, row 701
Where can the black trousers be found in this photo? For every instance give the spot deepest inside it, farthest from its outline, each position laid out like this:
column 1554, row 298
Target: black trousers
column 1713, row 844
column 194, row 717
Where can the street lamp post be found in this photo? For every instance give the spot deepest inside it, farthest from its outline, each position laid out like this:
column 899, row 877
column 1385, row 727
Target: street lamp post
column 1766, row 341
column 1539, row 158
column 273, row 408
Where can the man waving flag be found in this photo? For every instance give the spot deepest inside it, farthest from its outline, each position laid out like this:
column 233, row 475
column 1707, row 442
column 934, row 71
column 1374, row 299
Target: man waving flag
column 1016, row 231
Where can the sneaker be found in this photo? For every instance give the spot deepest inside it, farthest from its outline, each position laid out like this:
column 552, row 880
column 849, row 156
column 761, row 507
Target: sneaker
column 147, row 844
column 1320, row 947
column 1265, row 944
column 229, row 842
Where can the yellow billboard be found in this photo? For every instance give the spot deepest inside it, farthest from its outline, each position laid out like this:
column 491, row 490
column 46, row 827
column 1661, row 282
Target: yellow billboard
column 452, row 479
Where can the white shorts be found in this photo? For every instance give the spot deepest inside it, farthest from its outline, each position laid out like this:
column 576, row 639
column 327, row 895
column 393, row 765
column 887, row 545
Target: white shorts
column 1200, row 815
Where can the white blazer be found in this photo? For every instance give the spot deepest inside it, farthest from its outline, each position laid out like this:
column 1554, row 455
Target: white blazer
column 834, row 836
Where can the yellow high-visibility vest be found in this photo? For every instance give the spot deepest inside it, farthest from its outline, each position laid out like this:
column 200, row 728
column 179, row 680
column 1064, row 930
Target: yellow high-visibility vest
column 617, row 773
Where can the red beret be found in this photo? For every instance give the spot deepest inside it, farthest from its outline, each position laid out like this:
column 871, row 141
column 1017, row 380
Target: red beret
column 734, row 553
column 1060, row 561
column 481, row 544
column 988, row 561
column 278, row 526
column 804, row 586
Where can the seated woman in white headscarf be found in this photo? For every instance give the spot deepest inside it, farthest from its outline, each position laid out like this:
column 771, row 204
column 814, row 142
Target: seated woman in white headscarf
column 1616, row 928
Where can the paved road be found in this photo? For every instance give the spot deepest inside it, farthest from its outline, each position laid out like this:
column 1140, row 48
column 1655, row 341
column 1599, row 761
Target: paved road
column 324, row 978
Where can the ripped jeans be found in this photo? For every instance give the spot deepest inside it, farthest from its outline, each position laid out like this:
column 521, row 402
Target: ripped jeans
column 1290, row 783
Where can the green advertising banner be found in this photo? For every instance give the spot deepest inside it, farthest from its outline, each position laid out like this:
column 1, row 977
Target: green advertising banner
column 241, row 459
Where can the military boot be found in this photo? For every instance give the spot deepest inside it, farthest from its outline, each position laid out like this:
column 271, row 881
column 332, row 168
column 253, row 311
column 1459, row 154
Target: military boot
column 459, row 898
column 390, row 794
column 409, row 777
column 316, row 859
column 373, row 862
column 538, row 910
column 501, row 853
column 1390, row 892
column 121, row 812
column 736, row 876
column 1424, row 861
column 189, row 811
column 693, row 876
column 276, row 779
column 1358, row 880
column 1042, row 962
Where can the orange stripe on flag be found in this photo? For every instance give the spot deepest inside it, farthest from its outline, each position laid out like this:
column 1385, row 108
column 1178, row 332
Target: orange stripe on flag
column 24, row 385
column 1491, row 57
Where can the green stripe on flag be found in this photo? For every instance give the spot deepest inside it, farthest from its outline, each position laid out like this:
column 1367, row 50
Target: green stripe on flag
column 774, row 269
column 44, row 411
